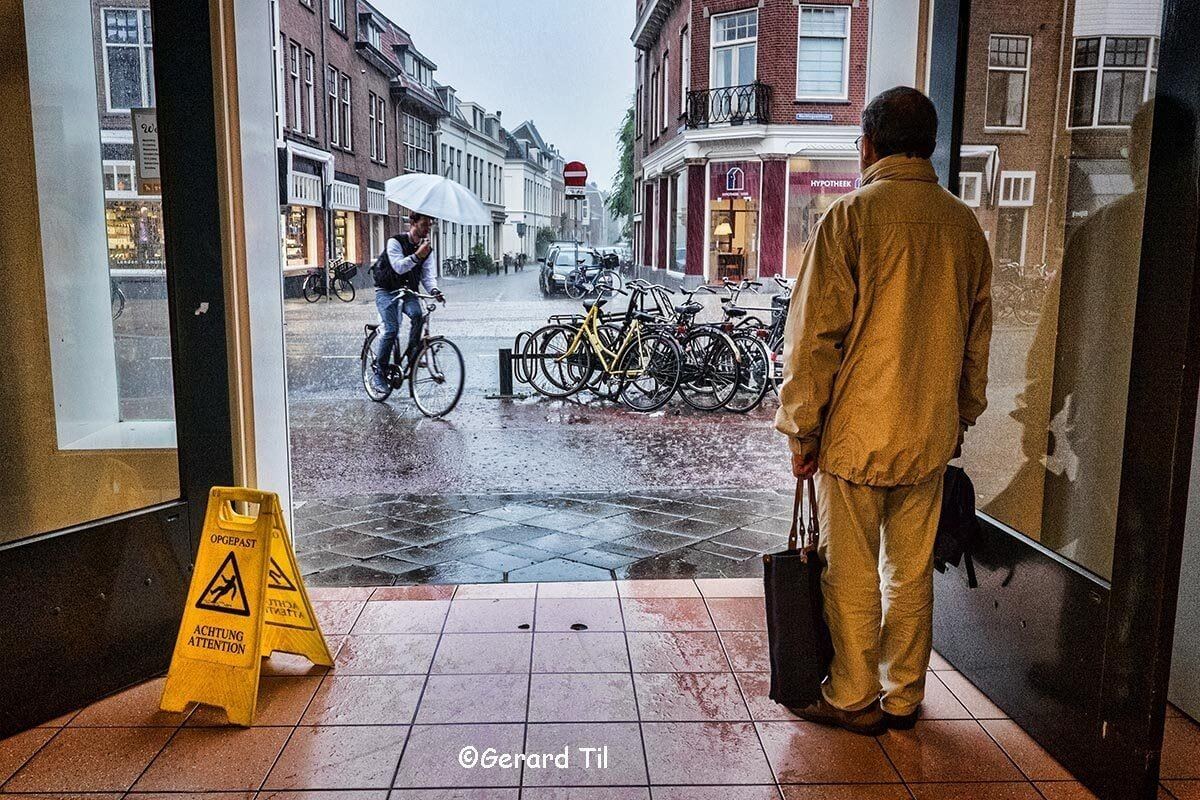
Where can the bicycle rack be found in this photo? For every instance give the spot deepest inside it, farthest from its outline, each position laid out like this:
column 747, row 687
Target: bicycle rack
column 506, row 365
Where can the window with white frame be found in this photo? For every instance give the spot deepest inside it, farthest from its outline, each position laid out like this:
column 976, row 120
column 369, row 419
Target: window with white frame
column 666, row 92
column 1111, row 77
column 297, row 117
column 128, row 58
column 1016, row 188
column 337, row 14
column 310, row 93
column 1008, row 81
column 970, row 188
column 823, row 53
column 347, row 141
column 373, row 136
column 685, row 68
column 374, row 35
column 119, row 180
column 332, row 85
column 734, row 49
column 418, row 146
column 1012, row 219
column 278, row 49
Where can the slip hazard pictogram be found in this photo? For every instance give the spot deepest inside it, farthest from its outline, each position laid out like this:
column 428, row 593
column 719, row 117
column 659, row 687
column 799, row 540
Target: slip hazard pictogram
column 226, row 592
column 277, row 578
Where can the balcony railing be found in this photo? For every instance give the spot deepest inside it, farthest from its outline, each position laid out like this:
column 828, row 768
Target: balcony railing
column 748, row 104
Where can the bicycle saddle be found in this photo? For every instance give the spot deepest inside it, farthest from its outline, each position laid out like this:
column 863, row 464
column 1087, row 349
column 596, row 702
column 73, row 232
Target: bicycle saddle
column 370, row 326
column 644, row 316
column 598, row 302
column 734, row 311
column 781, row 300
column 689, row 308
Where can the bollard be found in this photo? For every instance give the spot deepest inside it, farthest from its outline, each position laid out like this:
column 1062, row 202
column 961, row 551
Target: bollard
column 506, row 378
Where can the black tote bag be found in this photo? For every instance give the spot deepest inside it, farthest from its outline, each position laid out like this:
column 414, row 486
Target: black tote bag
column 797, row 635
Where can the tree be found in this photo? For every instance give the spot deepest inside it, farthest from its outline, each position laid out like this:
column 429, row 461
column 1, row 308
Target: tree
column 545, row 235
column 620, row 202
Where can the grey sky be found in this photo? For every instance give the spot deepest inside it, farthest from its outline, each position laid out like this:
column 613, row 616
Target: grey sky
column 565, row 64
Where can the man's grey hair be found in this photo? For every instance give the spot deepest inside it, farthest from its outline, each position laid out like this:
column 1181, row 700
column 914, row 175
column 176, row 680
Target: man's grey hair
column 901, row 120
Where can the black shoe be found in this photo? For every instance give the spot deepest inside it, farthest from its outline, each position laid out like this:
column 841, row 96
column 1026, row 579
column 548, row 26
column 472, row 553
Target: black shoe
column 901, row 722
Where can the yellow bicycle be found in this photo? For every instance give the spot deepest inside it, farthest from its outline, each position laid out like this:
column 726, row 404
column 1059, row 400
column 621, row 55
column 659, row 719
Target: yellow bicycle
column 632, row 360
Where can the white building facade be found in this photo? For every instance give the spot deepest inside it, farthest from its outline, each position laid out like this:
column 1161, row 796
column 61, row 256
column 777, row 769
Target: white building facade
column 471, row 151
column 533, row 189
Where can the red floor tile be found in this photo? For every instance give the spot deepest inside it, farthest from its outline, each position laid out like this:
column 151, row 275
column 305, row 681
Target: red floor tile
column 705, row 753
column 365, row 700
column 1028, row 755
column 90, row 760
column 1065, row 790
column 483, row 653
column 974, row 791
column 494, row 615
column 215, row 759
column 802, row 752
column 178, row 796
column 657, row 588
column 402, row 616
column 738, row 613
column 346, row 757
column 587, row 651
column 431, row 759
column 281, row 701
column 474, row 698
column 16, row 750
column 872, row 791
column 436, row 592
column 666, row 614
column 1181, row 749
column 386, row 654
column 582, row 698
column 1184, row 790
column 625, row 765
column 336, row 616
column 974, row 700
column 747, row 651
column 941, row 751
column 756, row 687
column 730, row 587
column 690, row 697
column 137, row 706
column 596, row 613
column 676, row 652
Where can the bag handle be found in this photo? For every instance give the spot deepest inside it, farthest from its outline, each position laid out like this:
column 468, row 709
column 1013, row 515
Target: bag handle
column 810, row 527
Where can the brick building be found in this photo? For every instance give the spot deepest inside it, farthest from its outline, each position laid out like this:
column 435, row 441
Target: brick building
column 745, row 118
column 357, row 104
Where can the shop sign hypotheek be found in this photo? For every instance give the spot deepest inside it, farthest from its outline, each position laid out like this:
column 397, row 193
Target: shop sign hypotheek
column 825, row 182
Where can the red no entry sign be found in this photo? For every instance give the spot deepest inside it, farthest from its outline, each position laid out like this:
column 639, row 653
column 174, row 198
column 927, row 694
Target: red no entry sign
column 575, row 173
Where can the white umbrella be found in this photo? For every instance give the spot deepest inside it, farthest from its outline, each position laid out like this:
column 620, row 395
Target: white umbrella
column 437, row 197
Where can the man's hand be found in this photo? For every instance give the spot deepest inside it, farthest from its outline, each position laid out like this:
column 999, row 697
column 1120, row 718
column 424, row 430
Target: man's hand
column 424, row 250
column 804, row 466
column 962, row 434
column 437, row 295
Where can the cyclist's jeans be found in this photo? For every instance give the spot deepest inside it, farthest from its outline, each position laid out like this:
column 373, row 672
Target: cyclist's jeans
column 390, row 308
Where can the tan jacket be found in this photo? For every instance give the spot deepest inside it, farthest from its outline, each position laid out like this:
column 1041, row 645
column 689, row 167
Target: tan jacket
column 886, row 347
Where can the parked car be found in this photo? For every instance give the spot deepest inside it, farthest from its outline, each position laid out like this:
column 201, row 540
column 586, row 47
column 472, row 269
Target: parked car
column 560, row 262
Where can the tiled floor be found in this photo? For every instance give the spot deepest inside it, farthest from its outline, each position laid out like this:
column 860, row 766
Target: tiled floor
column 668, row 675
column 380, row 540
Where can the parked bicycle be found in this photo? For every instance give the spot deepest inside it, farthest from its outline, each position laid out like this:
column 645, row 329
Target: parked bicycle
column 588, row 281
column 435, row 370
column 337, row 275
column 456, row 267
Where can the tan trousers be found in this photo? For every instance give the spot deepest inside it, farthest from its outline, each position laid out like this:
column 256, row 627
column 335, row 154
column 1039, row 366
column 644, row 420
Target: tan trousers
column 878, row 586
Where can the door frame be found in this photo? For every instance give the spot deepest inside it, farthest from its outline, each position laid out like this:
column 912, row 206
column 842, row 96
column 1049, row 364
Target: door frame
column 1081, row 663
column 94, row 608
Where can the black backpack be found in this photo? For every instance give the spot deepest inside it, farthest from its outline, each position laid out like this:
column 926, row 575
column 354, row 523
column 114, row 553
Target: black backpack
column 386, row 277
column 959, row 534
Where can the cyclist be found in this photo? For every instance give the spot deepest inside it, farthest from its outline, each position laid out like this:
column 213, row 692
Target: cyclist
column 407, row 262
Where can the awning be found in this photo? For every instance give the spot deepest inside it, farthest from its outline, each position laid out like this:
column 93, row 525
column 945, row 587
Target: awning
column 990, row 154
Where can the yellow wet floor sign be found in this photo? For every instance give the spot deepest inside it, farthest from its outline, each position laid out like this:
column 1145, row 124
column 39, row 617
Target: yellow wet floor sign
column 246, row 601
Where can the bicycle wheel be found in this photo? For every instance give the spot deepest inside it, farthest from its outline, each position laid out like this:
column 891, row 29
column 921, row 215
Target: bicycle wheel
column 344, row 289
column 436, row 380
column 552, row 373
column 367, row 363
column 755, row 375
column 117, row 299
column 312, row 289
column 649, row 371
column 575, row 286
column 606, row 385
column 607, row 283
column 711, row 369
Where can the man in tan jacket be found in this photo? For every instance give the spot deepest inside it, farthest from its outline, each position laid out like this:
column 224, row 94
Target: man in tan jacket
column 885, row 367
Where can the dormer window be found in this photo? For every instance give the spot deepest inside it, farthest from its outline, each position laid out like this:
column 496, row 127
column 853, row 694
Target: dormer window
column 374, row 35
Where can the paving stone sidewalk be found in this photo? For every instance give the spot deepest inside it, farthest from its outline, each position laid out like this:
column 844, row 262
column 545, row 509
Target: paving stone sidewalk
column 380, row 540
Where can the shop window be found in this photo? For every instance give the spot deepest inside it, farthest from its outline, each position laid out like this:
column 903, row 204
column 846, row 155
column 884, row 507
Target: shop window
column 823, row 53
column 677, row 249
column 1112, row 76
column 813, row 185
column 299, row 236
column 970, row 186
column 1008, row 81
column 344, row 235
column 734, row 188
column 128, row 58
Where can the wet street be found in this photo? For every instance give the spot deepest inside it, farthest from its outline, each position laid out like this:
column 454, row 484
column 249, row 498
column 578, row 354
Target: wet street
column 345, row 444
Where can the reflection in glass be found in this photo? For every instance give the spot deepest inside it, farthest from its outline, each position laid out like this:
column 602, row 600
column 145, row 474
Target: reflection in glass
column 1062, row 204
